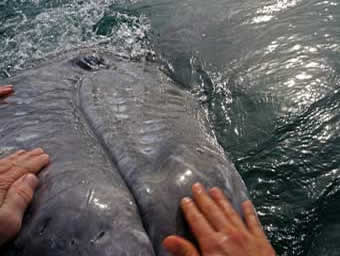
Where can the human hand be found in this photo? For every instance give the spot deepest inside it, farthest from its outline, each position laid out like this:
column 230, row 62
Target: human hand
column 218, row 228
column 5, row 91
column 18, row 182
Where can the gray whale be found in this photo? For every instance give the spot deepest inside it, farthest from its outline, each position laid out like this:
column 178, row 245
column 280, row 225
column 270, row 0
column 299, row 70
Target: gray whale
column 126, row 145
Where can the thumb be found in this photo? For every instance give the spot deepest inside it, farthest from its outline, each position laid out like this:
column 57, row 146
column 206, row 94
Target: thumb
column 20, row 194
column 178, row 246
column 18, row 197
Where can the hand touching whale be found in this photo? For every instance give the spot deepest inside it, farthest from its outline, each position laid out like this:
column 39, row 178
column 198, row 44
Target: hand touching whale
column 17, row 185
column 218, row 229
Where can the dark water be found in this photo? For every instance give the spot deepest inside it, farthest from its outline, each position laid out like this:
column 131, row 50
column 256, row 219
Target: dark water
column 267, row 72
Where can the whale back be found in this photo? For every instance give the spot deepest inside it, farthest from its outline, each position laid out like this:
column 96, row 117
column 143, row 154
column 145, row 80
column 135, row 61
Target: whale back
column 126, row 144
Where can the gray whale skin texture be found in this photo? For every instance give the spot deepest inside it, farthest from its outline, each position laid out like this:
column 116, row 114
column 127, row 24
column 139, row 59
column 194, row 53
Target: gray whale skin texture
column 126, row 145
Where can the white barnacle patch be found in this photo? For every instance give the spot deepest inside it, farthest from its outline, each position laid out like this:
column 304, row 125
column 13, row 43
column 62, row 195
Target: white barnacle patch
column 99, row 204
column 148, row 190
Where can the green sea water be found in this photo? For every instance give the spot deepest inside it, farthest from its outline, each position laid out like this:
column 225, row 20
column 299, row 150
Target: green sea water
column 267, row 73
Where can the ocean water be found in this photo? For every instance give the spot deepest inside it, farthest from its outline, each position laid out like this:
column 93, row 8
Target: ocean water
column 267, row 72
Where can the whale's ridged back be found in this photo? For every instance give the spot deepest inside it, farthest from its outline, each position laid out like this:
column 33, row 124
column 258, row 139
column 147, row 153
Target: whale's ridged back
column 126, row 146
column 82, row 206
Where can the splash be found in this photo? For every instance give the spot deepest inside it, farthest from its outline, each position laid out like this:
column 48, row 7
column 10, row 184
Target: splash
column 35, row 29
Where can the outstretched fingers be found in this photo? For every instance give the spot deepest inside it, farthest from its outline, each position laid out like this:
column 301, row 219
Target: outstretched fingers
column 209, row 208
column 29, row 162
column 20, row 194
column 218, row 228
column 221, row 200
column 18, row 182
column 17, row 199
column 19, row 164
column 198, row 223
column 7, row 162
column 251, row 219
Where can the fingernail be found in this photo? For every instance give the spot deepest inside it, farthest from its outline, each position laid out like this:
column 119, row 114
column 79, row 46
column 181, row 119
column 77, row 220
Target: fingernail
column 214, row 190
column 186, row 200
column 45, row 157
column 197, row 187
column 38, row 150
column 31, row 180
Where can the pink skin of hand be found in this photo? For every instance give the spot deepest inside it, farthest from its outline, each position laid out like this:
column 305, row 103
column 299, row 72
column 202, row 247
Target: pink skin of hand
column 218, row 228
column 18, row 182
column 6, row 91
